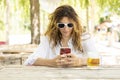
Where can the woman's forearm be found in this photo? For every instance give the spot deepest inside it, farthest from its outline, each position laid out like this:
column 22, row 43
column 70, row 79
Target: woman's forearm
column 44, row 62
column 81, row 62
column 52, row 63
column 84, row 61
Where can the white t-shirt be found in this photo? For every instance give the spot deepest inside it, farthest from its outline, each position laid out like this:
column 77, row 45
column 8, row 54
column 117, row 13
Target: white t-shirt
column 44, row 49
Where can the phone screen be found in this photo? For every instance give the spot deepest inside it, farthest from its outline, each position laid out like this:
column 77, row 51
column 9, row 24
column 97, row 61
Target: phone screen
column 65, row 50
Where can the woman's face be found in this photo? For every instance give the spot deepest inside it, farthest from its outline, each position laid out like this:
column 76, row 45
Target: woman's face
column 65, row 26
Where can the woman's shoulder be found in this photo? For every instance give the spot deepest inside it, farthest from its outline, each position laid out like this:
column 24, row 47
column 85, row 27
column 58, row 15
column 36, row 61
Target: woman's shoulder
column 44, row 38
column 85, row 36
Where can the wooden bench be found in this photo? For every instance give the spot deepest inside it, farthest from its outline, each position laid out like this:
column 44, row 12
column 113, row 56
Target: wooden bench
column 29, row 48
column 15, row 54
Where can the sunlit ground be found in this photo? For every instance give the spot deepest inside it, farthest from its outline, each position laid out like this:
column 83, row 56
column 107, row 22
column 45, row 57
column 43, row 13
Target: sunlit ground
column 19, row 39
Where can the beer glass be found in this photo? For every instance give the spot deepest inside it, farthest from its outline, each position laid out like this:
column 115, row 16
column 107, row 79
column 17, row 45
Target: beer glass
column 93, row 59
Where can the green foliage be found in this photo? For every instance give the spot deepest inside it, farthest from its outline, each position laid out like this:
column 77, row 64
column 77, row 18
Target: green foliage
column 84, row 3
column 2, row 10
column 101, row 20
column 115, row 6
column 112, row 5
column 20, row 10
column 1, row 25
column 19, row 17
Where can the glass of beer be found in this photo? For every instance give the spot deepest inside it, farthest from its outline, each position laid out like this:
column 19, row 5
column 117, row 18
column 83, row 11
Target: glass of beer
column 93, row 59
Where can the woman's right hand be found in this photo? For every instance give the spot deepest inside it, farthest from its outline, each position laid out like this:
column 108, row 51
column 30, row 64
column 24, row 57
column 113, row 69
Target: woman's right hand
column 60, row 61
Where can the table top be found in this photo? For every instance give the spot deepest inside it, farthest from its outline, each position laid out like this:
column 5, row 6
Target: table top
column 49, row 73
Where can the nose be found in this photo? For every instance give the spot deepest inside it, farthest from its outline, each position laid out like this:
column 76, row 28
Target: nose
column 66, row 27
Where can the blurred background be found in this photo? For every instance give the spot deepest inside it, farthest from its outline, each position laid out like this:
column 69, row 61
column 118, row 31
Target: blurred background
column 21, row 21
column 24, row 21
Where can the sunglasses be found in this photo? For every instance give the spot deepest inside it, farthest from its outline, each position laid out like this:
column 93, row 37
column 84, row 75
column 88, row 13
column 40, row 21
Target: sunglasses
column 62, row 25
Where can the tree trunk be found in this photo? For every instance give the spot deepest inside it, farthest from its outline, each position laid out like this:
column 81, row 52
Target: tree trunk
column 35, row 21
column 87, row 18
column 7, row 21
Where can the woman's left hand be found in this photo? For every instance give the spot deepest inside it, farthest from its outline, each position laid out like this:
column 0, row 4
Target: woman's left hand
column 73, row 60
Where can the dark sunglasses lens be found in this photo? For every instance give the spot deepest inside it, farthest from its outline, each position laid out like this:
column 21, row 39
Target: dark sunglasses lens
column 60, row 25
column 70, row 25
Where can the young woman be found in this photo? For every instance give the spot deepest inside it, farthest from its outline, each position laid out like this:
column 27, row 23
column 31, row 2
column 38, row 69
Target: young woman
column 64, row 30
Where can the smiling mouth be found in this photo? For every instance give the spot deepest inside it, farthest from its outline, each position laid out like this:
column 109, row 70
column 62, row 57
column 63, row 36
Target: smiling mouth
column 65, row 32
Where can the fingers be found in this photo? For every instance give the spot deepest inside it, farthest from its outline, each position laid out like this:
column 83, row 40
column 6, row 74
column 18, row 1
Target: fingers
column 68, row 60
column 61, row 60
column 70, row 55
column 64, row 61
column 61, row 56
column 73, row 62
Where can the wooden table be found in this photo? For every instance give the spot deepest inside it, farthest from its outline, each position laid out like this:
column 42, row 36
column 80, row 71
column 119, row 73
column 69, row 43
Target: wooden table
column 49, row 73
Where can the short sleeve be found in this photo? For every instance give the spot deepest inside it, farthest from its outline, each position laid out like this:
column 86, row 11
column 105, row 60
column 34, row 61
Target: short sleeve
column 88, row 43
column 41, row 51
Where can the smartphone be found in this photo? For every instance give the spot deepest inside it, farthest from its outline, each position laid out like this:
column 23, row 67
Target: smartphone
column 65, row 50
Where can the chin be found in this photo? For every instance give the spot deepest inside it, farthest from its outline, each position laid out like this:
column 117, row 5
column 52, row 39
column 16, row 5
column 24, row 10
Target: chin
column 66, row 35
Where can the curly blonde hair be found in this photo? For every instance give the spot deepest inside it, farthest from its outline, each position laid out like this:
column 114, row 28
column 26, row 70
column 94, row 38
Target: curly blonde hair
column 53, row 31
